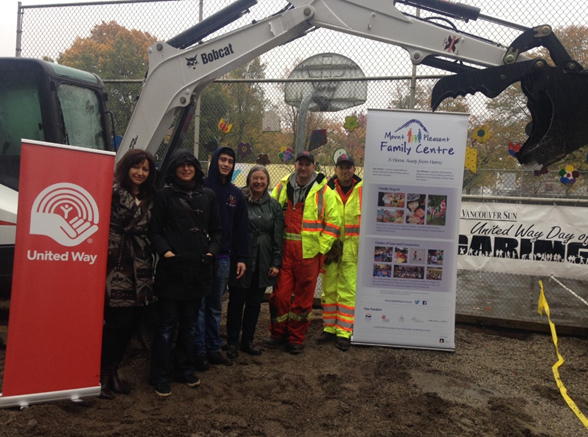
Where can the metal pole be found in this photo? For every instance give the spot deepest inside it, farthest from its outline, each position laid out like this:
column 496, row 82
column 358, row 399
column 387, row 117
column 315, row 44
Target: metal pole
column 413, row 78
column 197, row 109
column 19, row 15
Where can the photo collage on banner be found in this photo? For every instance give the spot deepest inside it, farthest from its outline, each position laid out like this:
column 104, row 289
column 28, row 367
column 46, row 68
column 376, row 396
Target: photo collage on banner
column 409, row 229
column 408, row 212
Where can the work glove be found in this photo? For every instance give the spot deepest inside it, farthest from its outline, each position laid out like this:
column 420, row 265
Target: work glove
column 334, row 254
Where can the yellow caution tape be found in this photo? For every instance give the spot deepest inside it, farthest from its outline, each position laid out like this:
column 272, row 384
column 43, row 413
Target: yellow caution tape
column 543, row 306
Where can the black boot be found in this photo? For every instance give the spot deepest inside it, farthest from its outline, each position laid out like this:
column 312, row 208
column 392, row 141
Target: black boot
column 232, row 351
column 105, row 389
column 248, row 348
column 116, row 384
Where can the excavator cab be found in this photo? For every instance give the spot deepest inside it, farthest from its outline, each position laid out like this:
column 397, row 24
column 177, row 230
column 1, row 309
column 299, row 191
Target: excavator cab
column 47, row 102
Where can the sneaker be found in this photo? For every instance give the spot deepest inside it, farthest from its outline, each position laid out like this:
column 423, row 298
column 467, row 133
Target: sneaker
column 201, row 363
column 191, row 380
column 343, row 343
column 162, row 389
column 274, row 342
column 218, row 358
column 232, row 351
column 326, row 337
column 294, row 348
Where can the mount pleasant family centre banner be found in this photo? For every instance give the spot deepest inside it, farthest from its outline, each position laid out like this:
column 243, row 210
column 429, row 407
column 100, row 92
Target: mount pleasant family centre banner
column 57, row 301
column 407, row 266
column 540, row 240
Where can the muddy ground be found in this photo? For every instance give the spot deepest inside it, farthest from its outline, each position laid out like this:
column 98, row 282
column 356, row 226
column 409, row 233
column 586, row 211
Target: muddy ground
column 497, row 383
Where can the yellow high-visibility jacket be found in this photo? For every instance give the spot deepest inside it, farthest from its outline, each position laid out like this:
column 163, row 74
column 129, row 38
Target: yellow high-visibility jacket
column 351, row 215
column 320, row 220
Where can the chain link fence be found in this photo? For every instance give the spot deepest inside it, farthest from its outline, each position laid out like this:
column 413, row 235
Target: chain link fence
column 253, row 94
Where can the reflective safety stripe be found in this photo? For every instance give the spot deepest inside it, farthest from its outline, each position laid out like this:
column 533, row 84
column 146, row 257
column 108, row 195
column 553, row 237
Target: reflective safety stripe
column 304, row 317
column 345, row 328
column 329, row 314
column 312, row 226
column 281, row 318
column 344, row 309
column 338, row 316
column 300, row 317
column 280, row 188
column 293, row 237
column 338, row 323
column 320, row 201
column 345, row 318
column 332, row 230
column 351, row 230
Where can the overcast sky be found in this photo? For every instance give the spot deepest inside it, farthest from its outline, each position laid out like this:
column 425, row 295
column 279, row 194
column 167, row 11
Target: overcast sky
column 8, row 11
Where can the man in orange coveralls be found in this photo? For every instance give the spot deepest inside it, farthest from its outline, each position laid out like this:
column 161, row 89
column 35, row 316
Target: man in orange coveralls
column 312, row 225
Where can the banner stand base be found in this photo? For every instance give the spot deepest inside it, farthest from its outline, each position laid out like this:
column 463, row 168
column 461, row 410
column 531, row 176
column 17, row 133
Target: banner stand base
column 24, row 401
column 397, row 346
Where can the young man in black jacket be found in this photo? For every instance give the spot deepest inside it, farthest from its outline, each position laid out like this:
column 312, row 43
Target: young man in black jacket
column 235, row 242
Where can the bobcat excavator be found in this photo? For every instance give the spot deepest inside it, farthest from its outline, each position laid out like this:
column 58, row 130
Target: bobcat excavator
column 557, row 95
column 180, row 69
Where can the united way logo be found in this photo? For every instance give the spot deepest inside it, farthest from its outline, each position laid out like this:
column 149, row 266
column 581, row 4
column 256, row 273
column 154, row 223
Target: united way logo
column 65, row 212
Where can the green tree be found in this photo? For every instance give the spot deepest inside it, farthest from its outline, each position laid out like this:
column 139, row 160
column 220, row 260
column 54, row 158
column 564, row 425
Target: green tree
column 214, row 105
column 246, row 105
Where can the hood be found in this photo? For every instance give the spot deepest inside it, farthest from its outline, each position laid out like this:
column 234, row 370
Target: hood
column 178, row 158
column 214, row 175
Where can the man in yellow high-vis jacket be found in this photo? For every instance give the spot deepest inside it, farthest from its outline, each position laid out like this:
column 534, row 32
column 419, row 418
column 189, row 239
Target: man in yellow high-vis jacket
column 311, row 227
column 340, row 267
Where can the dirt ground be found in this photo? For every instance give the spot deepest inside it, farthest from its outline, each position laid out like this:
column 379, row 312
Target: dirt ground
column 497, row 383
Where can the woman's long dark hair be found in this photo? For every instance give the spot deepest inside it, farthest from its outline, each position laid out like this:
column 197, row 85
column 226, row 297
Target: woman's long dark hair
column 121, row 173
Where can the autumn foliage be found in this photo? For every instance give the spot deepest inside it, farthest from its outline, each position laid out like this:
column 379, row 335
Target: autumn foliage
column 111, row 51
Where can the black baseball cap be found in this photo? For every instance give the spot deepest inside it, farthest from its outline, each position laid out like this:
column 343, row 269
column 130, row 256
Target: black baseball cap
column 306, row 154
column 345, row 158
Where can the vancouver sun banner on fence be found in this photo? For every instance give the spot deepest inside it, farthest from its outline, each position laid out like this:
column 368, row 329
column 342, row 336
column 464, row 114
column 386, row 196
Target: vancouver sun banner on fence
column 524, row 239
column 407, row 264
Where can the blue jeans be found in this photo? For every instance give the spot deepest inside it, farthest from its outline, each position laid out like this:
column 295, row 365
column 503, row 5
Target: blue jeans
column 171, row 312
column 208, row 337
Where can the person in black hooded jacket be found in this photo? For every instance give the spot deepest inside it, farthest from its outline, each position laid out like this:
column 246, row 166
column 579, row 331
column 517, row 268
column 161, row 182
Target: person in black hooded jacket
column 185, row 232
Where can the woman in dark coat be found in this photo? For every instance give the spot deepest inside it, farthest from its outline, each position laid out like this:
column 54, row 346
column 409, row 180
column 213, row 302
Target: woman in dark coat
column 129, row 282
column 266, row 231
column 185, row 231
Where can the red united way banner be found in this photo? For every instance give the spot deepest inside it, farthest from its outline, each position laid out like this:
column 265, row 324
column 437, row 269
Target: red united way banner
column 57, row 301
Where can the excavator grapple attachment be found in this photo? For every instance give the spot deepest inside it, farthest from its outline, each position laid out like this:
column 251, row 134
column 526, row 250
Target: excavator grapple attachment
column 557, row 100
column 557, row 97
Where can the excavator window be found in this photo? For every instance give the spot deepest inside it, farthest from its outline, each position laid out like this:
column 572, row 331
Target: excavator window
column 20, row 117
